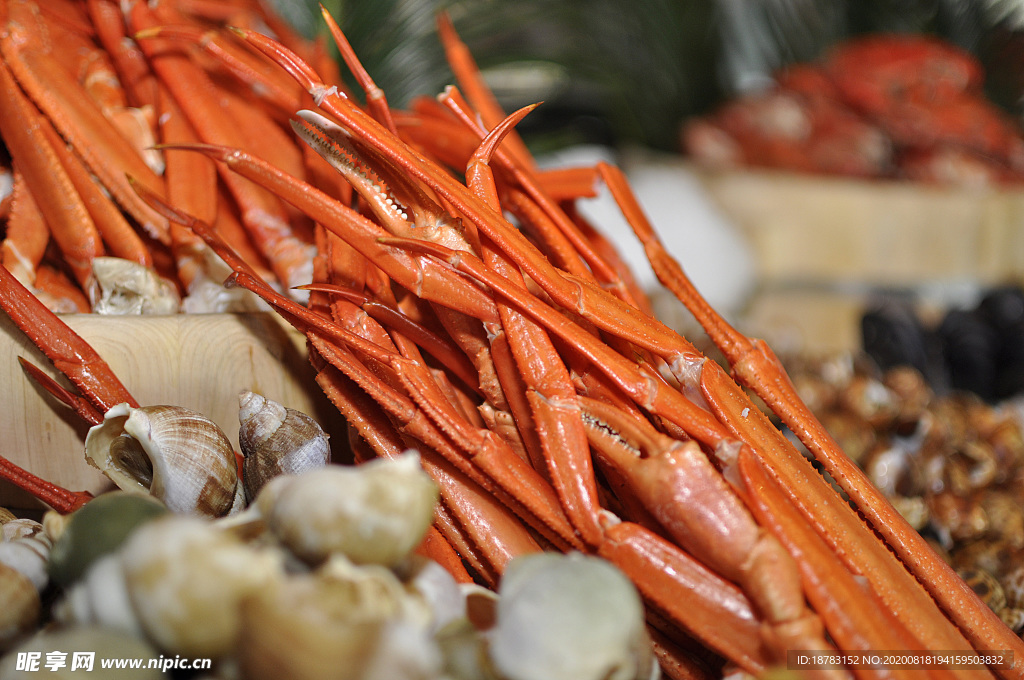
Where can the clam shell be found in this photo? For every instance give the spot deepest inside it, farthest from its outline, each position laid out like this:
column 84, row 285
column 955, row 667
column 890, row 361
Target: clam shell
column 178, row 455
column 96, row 529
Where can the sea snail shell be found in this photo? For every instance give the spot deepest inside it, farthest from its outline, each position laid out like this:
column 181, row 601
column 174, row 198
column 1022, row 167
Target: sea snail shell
column 374, row 513
column 276, row 440
column 179, row 456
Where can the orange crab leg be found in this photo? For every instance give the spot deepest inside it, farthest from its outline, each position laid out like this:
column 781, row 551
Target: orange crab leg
column 366, row 418
column 79, row 405
column 549, row 397
column 59, row 292
column 22, row 129
column 566, row 245
column 587, row 299
column 66, row 103
column 26, row 235
column 667, row 403
column 439, row 347
column 468, row 75
column 421, row 275
column 265, row 82
column 497, row 536
column 118, row 236
column 756, row 366
column 58, row 498
column 621, row 371
column 70, row 354
column 201, row 102
column 549, row 389
column 488, row 453
column 830, row 587
column 713, row 610
column 191, row 185
column 139, row 83
column 376, row 101
column 435, row 547
column 831, row 518
column 678, row 485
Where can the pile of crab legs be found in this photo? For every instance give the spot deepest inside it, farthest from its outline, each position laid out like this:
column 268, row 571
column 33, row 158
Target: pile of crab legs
column 525, row 366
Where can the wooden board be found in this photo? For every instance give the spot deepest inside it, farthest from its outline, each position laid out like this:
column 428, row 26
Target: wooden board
column 808, row 229
column 198, row 361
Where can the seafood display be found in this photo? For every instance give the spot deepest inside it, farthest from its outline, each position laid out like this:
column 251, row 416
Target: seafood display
column 951, row 464
column 455, row 304
column 902, row 106
column 86, row 110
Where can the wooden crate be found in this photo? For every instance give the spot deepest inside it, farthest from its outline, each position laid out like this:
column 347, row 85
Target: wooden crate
column 198, row 361
column 825, row 230
column 826, row 247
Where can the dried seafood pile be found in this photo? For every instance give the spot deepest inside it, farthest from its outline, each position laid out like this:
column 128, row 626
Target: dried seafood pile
column 952, row 465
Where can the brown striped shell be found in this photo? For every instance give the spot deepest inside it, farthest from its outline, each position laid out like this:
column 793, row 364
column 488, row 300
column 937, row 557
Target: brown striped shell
column 276, row 440
column 986, row 586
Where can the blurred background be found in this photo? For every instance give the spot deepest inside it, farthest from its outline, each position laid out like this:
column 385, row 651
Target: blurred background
column 629, row 72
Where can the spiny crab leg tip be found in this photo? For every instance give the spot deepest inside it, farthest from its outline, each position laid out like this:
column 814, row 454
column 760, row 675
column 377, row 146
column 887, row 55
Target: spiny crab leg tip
column 158, row 204
column 212, row 150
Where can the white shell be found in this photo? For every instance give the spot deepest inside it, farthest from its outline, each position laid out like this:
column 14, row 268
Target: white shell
column 276, row 440
column 569, row 616
column 427, row 580
column 374, row 513
column 179, row 456
column 341, row 622
column 100, row 598
column 26, row 549
column 187, row 582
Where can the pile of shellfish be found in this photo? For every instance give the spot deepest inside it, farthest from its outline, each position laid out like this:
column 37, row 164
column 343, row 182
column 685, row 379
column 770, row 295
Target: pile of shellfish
column 296, row 569
column 952, row 465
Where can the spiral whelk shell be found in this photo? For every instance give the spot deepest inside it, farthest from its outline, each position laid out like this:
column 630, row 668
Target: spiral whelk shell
column 276, row 440
column 25, row 547
column 179, row 456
